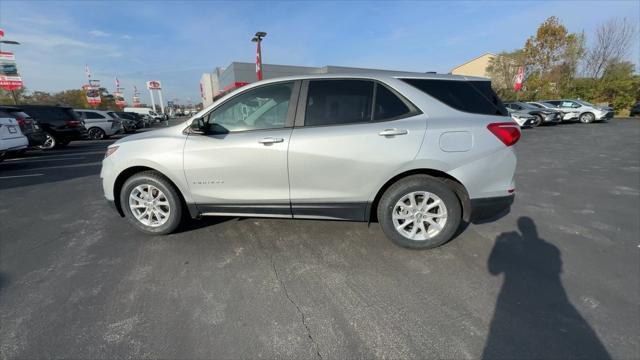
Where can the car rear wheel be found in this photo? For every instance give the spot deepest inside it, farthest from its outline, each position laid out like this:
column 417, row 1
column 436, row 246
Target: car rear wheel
column 151, row 203
column 419, row 212
column 49, row 142
column 587, row 118
column 95, row 133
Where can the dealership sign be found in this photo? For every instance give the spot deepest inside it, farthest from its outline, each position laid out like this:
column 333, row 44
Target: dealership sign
column 9, row 77
column 154, row 85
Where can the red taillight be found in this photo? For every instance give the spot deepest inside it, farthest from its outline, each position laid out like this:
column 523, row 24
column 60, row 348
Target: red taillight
column 73, row 123
column 507, row 132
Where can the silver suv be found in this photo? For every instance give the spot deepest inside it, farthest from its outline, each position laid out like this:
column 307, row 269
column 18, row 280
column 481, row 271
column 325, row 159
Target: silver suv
column 421, row 155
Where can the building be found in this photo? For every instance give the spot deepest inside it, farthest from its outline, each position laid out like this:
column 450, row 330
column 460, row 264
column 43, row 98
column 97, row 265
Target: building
column 240, row 73
column 474, row 67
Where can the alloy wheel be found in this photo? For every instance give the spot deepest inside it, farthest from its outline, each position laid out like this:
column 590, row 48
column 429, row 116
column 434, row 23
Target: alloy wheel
column 419, row 215
column 49, row 142
column 149, row 205
column 96, row 134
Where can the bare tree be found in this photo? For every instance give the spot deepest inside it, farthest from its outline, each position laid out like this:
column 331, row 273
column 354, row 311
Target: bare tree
column 612, row 45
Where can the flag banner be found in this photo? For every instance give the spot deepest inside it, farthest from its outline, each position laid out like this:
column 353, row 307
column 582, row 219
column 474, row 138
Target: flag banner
column 9, row 77
column 258, row 61
column 519, row 79
column 119, row 99
column 93, row 92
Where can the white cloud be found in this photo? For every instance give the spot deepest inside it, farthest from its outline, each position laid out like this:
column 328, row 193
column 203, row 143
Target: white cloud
column 98, row 33
column 127, row 37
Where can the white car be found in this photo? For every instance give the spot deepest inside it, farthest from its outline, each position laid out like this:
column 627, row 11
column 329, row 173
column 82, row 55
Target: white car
column 569, row 114
column 99, row 124
column 11, row 138
column 587, row 113
column 146, row 112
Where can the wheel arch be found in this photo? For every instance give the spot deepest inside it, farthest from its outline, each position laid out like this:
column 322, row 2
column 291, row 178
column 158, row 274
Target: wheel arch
column 452, row 182
column 129, row 172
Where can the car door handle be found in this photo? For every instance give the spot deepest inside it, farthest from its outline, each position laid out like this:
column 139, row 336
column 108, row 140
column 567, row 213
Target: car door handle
column 393, row 132
column 270, row 140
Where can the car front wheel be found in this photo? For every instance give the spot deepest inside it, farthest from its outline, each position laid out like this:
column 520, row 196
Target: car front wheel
column 587, row 118
column 419, row 212
column 151, row 203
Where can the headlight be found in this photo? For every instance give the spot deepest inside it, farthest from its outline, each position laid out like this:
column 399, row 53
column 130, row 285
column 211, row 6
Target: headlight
column 110, row 150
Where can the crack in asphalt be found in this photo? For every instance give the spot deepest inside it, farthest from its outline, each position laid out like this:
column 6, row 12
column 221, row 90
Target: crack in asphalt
column 302, row 315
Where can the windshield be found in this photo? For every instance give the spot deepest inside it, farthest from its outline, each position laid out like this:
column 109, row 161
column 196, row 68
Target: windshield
column 152, row 113
column 549, row 105
column 585, row 103
column 527, row 105
column 536, row 105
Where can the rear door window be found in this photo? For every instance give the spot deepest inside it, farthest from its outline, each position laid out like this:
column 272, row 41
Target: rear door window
column 388, row 105
column 92, row 115
column 337, row 102
column 475, row 97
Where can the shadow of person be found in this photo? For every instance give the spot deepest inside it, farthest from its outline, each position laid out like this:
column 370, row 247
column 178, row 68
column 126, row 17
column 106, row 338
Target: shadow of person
column 533, row 318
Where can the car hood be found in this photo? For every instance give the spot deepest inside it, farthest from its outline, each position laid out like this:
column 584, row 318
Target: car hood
column 159, row 133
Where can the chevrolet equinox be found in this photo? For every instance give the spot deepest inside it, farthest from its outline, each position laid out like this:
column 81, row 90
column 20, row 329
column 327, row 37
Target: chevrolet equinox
column 421, row 155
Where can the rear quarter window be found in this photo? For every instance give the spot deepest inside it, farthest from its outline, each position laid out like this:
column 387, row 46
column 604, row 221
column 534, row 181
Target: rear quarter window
column 475, row 97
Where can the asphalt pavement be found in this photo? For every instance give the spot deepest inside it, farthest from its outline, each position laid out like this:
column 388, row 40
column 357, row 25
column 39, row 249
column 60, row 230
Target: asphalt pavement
column 556, row 277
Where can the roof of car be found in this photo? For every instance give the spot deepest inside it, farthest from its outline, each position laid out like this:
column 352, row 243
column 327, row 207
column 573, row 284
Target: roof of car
column 380, row 75
column 10, row 108
column 45, row 106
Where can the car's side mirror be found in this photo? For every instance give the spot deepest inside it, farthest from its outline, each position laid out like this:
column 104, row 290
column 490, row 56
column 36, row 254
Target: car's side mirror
column 198, row 126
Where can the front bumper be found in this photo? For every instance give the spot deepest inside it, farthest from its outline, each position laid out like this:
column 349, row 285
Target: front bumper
column 604, row 115
column 486, row 208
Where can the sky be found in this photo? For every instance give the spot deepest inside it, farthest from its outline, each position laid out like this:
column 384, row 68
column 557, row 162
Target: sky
column 175, row 42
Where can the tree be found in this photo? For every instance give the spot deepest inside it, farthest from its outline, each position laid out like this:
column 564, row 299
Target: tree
column 612, row 45
column 552, row 56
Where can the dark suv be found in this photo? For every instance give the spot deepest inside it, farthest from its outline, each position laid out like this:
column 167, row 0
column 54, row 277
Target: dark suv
column 60, row 123
column 29, row 127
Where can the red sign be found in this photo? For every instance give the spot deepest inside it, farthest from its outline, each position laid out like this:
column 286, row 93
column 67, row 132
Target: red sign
column 154, row 85
column 519, row 79
column 9, row 77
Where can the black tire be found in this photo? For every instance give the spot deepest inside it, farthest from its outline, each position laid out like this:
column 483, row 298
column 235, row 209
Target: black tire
column 95, row 133
column 410, row 184
column 539, row 121
column 587, row 118
column 171, row 193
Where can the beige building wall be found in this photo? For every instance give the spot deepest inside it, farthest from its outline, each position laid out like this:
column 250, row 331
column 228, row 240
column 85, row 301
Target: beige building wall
column 474, row 67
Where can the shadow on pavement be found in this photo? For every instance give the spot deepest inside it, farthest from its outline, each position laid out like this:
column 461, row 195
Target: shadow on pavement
column 533, row 317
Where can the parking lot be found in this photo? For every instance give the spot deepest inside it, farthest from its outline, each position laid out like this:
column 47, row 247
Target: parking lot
column 556, row 277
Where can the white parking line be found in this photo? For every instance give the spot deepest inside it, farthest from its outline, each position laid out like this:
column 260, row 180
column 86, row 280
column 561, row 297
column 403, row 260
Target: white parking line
column 19, row 176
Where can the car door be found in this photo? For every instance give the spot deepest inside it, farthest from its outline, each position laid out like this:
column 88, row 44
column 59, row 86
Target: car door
column 240, row 165
column 349, row 135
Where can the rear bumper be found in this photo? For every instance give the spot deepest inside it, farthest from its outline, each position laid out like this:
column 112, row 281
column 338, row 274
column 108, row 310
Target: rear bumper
column 485, row 208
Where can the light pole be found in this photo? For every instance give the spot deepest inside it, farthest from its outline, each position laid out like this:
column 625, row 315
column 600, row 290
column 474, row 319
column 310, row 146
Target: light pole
column 10, row 42
column 257, row 38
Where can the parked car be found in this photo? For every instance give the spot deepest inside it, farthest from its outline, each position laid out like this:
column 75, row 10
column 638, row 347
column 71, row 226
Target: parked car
column 420, row 154
column 137, row 118
column 147, row 112
column 11, row 138
column 542, row 116
column 588, row 113
column 60, row 124
column 100, row 125
column 522, row 118
column 635, row 110
column 28, row 126
column 128, row 125
column 568, row 114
